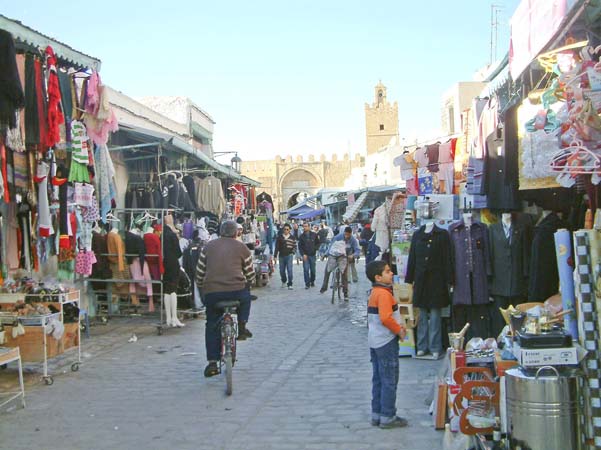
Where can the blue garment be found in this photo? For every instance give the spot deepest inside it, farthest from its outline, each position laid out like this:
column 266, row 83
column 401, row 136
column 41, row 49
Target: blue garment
column 385, row 377
column 212, row 329
column 352, row 245
column 286, row 266
column 372, row 251
column 428, row 331
column 309, row 269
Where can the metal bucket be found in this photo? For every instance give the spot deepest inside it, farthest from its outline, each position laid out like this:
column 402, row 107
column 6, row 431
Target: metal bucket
column 543, row 411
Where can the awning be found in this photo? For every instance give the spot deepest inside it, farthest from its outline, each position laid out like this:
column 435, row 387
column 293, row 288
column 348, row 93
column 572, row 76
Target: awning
column 312, row 214
column 297, row 211
column 173, row 143
column 26, row 37
column 353, row 210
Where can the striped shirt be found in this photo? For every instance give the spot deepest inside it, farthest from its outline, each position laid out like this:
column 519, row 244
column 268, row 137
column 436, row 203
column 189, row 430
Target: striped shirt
column 224, row 265
column 383, row 317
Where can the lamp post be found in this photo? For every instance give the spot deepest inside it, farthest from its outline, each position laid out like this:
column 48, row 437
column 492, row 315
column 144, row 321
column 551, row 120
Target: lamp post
column 235, row 162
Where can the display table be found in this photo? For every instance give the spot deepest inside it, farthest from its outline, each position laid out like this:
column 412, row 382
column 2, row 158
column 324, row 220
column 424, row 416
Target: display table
column 7, row 356
column 36, row 345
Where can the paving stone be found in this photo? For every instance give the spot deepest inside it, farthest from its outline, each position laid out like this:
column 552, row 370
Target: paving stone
column 303, row 381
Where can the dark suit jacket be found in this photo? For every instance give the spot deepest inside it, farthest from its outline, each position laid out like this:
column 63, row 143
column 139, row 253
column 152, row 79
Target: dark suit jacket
column 509, row 261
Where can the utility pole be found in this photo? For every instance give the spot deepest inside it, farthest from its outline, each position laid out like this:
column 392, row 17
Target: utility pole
column 494, row 30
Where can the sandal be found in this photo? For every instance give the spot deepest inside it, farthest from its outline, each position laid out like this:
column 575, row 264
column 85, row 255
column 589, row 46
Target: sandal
column 211, row 370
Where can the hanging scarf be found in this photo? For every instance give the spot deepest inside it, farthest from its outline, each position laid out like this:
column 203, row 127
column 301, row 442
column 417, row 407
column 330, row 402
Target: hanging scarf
column 55, row 115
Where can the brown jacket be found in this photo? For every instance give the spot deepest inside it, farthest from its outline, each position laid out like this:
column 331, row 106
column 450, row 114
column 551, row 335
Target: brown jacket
column 224, row 265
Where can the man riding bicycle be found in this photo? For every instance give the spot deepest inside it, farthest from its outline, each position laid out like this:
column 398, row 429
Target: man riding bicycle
column 342, row 252
column 225, row 271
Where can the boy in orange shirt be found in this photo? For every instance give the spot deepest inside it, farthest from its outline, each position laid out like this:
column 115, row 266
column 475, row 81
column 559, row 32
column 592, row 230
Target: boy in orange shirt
column 384, row 330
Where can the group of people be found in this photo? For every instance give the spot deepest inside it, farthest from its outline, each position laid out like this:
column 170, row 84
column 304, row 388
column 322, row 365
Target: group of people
column 342, row 251
column 225, row 272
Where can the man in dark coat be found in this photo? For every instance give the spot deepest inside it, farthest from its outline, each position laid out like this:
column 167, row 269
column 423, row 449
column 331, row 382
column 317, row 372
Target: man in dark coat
column 430, row 270
column 308, row 244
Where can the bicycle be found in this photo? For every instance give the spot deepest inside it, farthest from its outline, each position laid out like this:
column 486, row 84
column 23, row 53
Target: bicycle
column 337, row 284
column 229, row 332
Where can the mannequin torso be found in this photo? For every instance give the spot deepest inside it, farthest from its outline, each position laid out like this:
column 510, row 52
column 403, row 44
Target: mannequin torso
column 468, row 219
column 429, row 227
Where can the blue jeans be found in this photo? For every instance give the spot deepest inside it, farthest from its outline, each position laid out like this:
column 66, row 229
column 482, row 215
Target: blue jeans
column 212, row 329
column 309, row 269
column 385, row 367
column 428, row 330
column 286, row 266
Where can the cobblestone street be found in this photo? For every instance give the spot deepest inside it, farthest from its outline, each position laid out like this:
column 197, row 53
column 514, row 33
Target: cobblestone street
column 302, row 382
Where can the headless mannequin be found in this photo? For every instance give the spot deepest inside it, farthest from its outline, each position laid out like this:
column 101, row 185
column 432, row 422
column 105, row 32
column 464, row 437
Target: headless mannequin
column 506, row 219
column 170, row 299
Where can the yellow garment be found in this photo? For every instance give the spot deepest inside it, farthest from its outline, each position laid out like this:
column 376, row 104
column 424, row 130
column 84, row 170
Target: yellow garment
column 116, row 247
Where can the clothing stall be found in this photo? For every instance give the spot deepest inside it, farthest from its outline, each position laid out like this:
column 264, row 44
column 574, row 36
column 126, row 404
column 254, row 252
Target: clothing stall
column 54, row 179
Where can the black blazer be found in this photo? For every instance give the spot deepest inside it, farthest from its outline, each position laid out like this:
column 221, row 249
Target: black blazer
column 429, row 268
column 510, row 261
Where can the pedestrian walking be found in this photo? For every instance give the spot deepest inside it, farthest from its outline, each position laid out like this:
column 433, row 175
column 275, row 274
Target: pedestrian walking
column 383, row 332
column 308, row 243
column 285, row 248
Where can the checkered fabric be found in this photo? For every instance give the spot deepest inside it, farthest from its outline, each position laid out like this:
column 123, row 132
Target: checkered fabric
column 588, row 335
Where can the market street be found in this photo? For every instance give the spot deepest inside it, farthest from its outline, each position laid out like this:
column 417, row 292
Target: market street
column 302, row 382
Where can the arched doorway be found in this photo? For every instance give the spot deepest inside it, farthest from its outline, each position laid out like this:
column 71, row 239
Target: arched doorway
column 297, row 185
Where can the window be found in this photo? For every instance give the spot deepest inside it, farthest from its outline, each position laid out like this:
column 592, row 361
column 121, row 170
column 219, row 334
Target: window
column 451, row 120
column 381, row 127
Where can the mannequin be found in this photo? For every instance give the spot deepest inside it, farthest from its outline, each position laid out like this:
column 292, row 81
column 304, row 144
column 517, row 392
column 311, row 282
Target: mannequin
column 470, row 248
column 510, row 255
column 468, row 219
column 430, row 271
column 171, row 254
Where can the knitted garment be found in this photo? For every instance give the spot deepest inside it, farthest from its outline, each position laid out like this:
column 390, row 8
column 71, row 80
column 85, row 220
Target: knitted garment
column 54, row 113
column 12, row 97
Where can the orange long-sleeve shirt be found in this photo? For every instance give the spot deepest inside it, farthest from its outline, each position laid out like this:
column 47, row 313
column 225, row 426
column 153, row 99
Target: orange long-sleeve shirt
column 383, row 317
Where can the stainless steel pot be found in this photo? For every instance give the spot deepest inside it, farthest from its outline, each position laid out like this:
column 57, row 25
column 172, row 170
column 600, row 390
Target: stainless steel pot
column 543, row 411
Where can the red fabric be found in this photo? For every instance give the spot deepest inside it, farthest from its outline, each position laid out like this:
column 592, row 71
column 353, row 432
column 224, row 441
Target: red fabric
column 56, row 181
column 453, row 147
column 55, row 115
column 39, row 91
column 4, row 174
column 153, row 247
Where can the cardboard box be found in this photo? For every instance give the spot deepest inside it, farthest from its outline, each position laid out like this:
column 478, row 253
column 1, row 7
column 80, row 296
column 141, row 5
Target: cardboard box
column 529, row 357
column 503, row 365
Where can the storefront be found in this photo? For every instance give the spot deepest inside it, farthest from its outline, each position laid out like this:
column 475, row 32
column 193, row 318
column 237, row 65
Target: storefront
column 500, row 230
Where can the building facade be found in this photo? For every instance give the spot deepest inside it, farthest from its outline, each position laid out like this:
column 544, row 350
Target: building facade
column 381, row 121
column 290, row 181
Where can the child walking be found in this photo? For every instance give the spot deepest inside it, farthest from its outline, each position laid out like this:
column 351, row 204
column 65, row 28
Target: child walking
column 384, row 330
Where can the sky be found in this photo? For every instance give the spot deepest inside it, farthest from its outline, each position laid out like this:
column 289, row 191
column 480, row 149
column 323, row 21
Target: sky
column 282, row 77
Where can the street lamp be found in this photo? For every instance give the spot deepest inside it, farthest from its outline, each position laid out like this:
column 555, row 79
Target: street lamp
column 236, row 161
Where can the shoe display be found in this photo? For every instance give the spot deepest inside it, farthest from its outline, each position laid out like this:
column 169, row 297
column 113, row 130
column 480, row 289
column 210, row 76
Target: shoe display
column 421, row 353
column 396, row 422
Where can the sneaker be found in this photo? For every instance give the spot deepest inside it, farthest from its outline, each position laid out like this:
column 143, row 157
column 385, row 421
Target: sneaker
column 241, row 337
column 247, row 333
column 211, row 370
column 396, row 422
column 375, row 423
column 283, row 285
column 346, row 298
column 312, row 284
column 307, row 286
column 421, row 353
column 289, row 288
column 435, row 355
column 322, row 290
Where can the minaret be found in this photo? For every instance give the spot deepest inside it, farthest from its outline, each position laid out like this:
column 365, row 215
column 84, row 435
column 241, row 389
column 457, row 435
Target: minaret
column 381, row 120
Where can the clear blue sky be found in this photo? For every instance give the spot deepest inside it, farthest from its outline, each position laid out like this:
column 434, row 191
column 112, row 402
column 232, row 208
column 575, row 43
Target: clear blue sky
column 281, row 77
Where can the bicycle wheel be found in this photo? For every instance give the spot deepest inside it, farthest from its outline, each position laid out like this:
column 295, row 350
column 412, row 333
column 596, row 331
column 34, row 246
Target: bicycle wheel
column 334, row 286
column 228, row 374
column 339, row 285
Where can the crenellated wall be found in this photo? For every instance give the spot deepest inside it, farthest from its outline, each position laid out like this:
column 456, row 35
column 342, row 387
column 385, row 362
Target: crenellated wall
column 283, row 177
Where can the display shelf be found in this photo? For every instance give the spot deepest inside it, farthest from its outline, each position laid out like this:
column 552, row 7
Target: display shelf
column 7, row 356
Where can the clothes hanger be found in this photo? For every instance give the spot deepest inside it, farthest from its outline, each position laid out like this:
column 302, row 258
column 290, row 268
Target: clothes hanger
column 111, row 218
column 576, row 159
